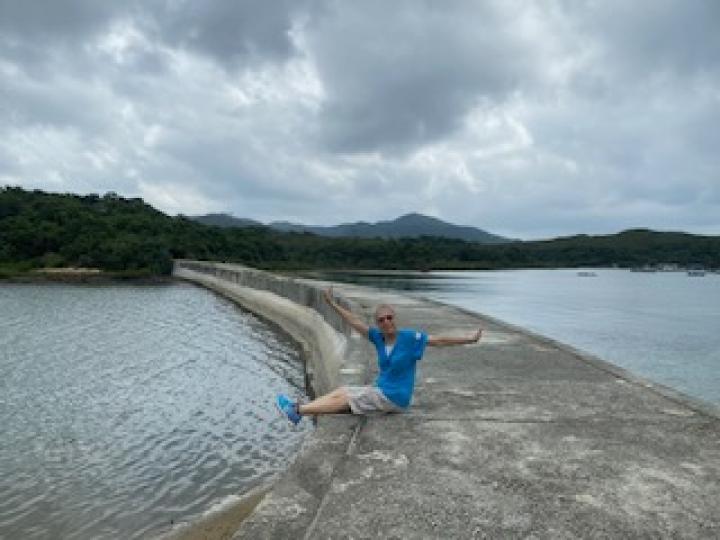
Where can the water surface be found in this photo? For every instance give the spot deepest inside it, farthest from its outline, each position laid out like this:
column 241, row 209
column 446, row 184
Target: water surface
column 125, row 408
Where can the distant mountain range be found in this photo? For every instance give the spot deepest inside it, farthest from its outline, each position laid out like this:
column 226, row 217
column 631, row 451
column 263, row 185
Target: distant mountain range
column 407, row 226
column 226, row 220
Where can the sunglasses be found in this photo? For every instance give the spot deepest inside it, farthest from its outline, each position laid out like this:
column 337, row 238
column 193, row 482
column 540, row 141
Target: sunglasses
column 387, row 318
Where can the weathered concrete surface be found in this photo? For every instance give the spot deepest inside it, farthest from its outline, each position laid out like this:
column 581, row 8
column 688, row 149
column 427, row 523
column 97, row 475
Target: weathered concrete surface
column 515, row 437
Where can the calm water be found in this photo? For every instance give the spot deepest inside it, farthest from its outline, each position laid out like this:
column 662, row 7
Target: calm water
column 664, row 326
column 125, row 408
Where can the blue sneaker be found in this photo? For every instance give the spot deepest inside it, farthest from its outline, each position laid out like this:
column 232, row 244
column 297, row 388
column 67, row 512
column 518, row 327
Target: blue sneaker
column 288, row 409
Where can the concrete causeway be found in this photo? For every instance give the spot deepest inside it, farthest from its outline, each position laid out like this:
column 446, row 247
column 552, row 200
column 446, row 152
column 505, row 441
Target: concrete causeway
column 514, row 437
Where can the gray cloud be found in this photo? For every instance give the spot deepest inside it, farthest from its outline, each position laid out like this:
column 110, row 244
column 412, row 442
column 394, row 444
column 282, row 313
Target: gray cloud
column 528, row 119
column 642, row 38
column 44, row 37
column 232, row 33
column 70, row 20
column 399, row 79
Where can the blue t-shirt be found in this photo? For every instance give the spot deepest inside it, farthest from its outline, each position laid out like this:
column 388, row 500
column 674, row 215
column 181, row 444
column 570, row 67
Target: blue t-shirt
column 396, row 378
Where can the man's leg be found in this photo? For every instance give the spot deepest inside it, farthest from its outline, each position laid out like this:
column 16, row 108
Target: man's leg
column 337, row 401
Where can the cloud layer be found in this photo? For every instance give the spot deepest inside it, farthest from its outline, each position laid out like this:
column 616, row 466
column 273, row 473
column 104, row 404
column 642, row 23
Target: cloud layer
column 529, row 119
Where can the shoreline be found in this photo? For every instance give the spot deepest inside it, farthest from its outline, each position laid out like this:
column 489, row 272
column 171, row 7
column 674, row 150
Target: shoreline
column 69, row 278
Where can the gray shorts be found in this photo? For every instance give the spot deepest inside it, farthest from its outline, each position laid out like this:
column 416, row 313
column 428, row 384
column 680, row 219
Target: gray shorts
column 369, row 399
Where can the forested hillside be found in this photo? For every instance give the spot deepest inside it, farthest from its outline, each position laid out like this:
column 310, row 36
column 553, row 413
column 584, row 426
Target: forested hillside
column 129, row 237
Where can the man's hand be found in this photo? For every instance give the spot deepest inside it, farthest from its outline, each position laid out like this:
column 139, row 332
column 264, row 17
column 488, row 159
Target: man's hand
column 450, row 340
column 346, row 314
column 476, row 336
column 329, row 295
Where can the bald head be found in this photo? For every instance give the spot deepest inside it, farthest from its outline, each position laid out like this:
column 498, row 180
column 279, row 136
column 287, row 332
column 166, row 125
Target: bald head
column 385, row 319
column 384, row 309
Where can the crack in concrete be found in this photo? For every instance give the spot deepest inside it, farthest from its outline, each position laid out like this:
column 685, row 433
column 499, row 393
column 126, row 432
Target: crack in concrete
column 323, row 502
column 565, row 420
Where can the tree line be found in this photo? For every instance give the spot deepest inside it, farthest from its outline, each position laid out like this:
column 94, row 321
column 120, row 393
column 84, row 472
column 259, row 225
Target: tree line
column 126, row 236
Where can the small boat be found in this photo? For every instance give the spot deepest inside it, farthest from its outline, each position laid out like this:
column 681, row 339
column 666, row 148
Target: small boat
column 587, row 274
column 696, row 273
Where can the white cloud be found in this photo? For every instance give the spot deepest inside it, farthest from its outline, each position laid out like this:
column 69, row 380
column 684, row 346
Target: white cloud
column 177, row 199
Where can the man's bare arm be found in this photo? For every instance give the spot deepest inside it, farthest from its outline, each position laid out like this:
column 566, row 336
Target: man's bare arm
column 349, row 317
column 439, row 341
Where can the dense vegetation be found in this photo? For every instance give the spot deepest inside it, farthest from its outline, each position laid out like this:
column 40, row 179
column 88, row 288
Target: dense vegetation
column 129, row 237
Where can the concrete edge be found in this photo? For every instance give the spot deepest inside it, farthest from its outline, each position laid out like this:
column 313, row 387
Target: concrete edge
column 222, row 521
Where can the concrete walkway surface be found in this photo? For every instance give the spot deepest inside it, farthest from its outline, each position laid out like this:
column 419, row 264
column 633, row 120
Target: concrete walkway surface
column 515, row 437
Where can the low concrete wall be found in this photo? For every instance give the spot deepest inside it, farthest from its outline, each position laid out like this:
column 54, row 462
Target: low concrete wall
column 297, row 307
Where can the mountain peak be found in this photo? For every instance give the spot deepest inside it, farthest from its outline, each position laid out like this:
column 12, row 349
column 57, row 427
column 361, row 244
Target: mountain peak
column 411, row 225
column 414, row 215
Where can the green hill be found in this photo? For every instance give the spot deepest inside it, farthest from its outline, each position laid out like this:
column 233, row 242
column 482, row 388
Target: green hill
column 128, row 237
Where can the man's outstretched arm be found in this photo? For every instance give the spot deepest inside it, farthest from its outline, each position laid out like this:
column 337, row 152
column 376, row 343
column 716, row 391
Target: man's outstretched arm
column 349, row 317
column 439, row 341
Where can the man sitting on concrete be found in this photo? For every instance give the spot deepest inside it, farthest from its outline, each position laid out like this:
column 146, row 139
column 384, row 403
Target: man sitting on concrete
column 397, row 353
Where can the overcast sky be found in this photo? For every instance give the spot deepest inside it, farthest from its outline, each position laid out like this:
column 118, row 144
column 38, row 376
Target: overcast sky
column 526, row 119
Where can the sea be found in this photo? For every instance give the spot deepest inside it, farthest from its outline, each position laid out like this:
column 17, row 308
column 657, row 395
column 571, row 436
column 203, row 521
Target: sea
column 128, row 409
